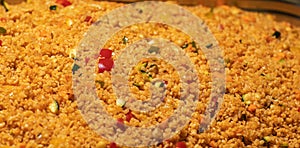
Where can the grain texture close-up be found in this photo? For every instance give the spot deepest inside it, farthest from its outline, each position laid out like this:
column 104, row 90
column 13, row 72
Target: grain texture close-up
column 38, row 46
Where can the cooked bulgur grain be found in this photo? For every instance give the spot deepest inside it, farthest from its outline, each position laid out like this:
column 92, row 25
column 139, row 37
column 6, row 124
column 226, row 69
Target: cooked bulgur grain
column 36, row 58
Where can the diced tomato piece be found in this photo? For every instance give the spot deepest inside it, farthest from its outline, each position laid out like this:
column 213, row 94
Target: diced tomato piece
column 180, row 145
column 299, row 109
column 0, row 43
column 64, row 3
column 105, row 65
column 105, row 53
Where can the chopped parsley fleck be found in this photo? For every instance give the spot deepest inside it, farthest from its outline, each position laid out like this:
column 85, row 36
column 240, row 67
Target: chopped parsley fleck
column 53, row 7
column 153, row 49
column 100, row 82
column 277, row 34
column 244, row 117
column 281, row 61
column 201, row 130
column 75, row 68
column 227, row 61
column 209, row 45
column 194, row 44
column 125, row 40
column 2, row 30
column 4, row 5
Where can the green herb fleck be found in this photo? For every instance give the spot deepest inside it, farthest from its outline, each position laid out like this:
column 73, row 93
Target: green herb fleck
column 158, row 84
column 277, row 34
column 281, row 61
column 244, row 117
column 201, row 129
column 209, row 45
column 153, row 49
column 53, row 7
column 194, row 44
column 75, row 68
column 100, row 82
column 125, row 40
column 162, row 85
column 2, row 30
column 145, row 64
column 4, row 5
column 227, row 61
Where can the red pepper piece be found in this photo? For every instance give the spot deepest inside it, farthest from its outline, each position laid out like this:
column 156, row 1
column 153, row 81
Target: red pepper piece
column 64, row 3
column 129, row 115
column 105, row 65
column 106, row 53
column 88, row 19
column 113, row 145
column 180, row 145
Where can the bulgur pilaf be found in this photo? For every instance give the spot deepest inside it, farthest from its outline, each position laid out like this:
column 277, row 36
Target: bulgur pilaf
column 261, row 106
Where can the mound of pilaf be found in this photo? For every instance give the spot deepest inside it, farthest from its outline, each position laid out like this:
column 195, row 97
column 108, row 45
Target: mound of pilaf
column 38, row 40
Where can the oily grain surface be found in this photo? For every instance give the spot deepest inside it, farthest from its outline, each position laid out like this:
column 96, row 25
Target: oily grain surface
column 262, row 77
